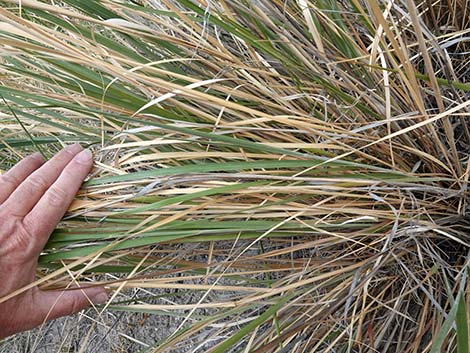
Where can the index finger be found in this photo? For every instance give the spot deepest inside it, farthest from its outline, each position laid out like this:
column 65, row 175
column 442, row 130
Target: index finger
column 29, row 192
column 52, row 206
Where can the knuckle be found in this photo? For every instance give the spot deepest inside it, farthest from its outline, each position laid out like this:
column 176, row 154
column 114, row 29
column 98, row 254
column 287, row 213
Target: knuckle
column 3, row 219
column 9, row 179
column 38, row 182
column 75, row 305
column 24, row 235
column 18, row 244
column 6, row 229
column 57, row 197
column 25, row 228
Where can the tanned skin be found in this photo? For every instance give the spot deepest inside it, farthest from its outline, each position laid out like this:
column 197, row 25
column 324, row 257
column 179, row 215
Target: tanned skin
column 34, row 196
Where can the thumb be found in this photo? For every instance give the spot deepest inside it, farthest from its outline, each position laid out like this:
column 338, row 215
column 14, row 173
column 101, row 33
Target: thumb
column 55, row 304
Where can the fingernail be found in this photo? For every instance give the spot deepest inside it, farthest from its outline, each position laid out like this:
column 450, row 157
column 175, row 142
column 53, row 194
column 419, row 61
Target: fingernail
column 75, row 148
column 100, row 298
column 84, row 157
column 38, row 156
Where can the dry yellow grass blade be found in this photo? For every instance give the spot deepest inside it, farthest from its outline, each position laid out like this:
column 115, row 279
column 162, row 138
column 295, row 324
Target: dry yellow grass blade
column 276, row 176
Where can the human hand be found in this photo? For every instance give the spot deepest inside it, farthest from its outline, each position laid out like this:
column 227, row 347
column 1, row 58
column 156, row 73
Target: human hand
column 34, row 196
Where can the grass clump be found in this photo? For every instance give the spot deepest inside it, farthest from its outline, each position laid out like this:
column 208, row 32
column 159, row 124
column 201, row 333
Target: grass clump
column 312, row 155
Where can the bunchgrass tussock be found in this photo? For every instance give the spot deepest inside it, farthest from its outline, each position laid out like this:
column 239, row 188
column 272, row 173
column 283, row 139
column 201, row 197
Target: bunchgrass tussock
column 300, row 168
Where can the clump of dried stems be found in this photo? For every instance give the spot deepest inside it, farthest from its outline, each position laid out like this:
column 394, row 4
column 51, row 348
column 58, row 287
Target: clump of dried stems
column 302, row 165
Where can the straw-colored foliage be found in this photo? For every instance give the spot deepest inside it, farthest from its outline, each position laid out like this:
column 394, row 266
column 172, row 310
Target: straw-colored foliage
column 312, row 155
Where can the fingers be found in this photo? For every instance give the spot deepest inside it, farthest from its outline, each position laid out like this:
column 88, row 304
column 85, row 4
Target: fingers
column 29, row 192
column 54, row 304
column 36, row 307
column 52, row 206
column 15, row 176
